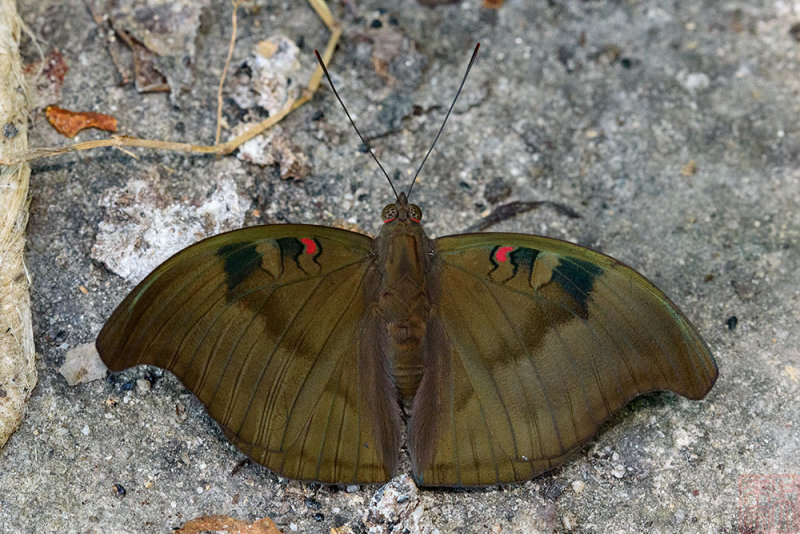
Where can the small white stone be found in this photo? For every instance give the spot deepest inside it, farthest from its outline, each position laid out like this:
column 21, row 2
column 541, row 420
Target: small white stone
column 618, row 471
column 578, row 486
column 142, row 385
column 696, row 80
column 85, row 430
column 569, row 520
column 82, row 364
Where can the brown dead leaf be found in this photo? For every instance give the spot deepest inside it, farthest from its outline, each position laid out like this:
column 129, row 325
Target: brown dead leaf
column 69, row 123
column 381, row 67
column 266, row 48
column 147, row 77
column 690, row 168
column 493, row 4
column 230, row 525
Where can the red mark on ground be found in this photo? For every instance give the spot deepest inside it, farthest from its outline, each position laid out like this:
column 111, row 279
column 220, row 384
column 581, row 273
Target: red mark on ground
column 769, row 503
column 310, row 244
column 501, row 254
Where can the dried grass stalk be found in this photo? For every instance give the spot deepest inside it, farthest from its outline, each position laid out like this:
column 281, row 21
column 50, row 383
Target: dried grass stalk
column 17, row 369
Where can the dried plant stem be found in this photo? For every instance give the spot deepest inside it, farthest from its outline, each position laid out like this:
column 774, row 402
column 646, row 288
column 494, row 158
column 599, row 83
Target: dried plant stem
column 17, row 369
column 231, row 46
column 324, row 13
column 120, row 141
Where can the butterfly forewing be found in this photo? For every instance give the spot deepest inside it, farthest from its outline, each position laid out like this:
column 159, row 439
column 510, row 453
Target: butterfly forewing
column 265, row 325
column 534, row 343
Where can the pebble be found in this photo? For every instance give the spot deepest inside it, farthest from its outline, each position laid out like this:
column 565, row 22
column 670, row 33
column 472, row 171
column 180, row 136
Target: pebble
column 395, row 505
column 142, row 386
column 82, row 364
column 618, row 471
column 569, row 520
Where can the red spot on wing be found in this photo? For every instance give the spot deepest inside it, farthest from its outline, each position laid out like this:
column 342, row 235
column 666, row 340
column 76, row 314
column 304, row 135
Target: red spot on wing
column 501, row 254
column 415, row 220
column 386, row 221
column 310, row 244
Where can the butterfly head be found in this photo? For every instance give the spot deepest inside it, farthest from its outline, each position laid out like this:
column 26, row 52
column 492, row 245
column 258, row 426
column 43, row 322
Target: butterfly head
column 401, row 211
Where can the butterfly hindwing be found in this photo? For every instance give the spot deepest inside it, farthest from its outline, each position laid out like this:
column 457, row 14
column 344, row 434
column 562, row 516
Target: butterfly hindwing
column 534, row 343
column 266, row 326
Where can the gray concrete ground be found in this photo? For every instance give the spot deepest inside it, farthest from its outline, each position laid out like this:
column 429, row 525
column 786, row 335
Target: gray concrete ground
column 671, row 127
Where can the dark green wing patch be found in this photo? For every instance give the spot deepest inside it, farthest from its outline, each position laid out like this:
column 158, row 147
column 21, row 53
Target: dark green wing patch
column 525, row 266
column 577, row 277
column 240, row 261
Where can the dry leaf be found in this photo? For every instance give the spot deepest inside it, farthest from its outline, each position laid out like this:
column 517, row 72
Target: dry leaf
column 230, row 525
column 689, row 169
column 266, row 48
column 69, row 123
column 147, row 77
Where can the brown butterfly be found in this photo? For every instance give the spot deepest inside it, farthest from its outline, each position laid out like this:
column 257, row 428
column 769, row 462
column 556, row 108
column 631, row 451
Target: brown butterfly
column 312, row 346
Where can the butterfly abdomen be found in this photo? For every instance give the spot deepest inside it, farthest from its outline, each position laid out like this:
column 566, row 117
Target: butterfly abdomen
column 404, row 304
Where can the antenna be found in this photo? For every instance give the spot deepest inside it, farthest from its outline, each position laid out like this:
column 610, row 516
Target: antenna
column 464, row 79
column 369, row 148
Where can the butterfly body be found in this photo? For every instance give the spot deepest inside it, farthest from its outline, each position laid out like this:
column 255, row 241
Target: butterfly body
column 406, row 294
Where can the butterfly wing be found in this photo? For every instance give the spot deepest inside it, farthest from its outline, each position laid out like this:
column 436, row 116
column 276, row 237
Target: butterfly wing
column 267, row 326
column 534, row 343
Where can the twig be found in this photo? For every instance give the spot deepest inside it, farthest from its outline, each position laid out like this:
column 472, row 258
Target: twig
column 512, row 209
column 225, row 71
column 118, row 141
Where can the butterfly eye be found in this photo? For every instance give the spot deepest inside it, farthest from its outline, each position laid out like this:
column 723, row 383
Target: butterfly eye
column 414, row 212
column 389, row 213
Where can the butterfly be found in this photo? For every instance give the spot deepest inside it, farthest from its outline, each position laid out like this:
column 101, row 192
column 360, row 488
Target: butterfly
column 316, row 349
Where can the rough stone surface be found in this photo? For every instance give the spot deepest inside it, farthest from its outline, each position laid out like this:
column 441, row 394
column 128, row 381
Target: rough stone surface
column 395, row 507
column 599, row 106
column 142, row 225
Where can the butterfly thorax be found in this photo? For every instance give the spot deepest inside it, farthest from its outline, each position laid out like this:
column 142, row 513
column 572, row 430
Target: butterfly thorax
column 404, row 253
